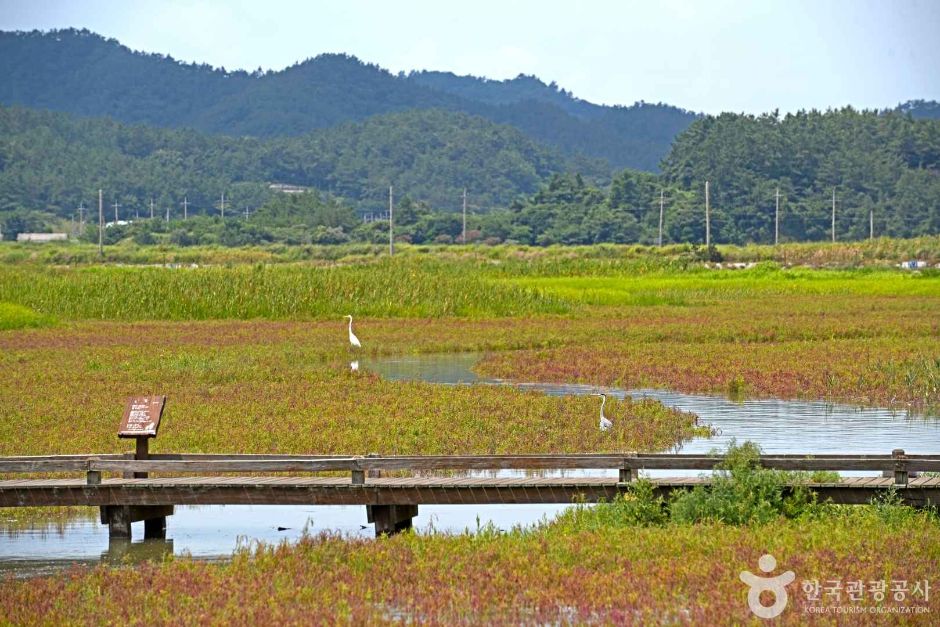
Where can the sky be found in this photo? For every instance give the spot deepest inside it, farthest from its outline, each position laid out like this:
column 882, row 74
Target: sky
column 706, row 56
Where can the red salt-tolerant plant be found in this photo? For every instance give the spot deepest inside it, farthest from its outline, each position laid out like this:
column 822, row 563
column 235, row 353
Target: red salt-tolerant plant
column 554, row 574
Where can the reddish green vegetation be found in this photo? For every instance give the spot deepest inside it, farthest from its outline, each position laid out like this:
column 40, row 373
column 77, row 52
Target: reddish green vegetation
column 561, row 574
column 874, row 350
column 286, row 388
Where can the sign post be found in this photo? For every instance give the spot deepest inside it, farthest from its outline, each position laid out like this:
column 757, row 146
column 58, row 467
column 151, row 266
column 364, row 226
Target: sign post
column 141, row 421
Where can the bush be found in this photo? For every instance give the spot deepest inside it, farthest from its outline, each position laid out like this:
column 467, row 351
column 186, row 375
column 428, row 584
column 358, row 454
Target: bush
column 19, row 317
column 742, row 493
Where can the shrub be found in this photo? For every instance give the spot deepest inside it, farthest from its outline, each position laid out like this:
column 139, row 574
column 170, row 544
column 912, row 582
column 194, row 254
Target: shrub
column 742, row 493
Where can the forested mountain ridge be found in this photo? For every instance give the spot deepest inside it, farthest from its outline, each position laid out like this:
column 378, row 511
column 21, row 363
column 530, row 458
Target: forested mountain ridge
column 884, row 165
column 51, row 161
column 83, row 73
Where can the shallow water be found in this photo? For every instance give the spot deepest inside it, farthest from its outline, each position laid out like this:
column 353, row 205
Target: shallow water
column 213, row 532
column 778, row 426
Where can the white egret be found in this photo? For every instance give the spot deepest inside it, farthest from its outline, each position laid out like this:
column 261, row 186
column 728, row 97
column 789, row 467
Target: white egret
column 352, row 336
column 605, row 424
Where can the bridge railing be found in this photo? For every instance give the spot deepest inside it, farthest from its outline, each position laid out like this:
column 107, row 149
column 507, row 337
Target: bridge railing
column 629, row 464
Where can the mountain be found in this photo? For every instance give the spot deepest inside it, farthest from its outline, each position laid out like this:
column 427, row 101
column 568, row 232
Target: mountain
column 52, row 161
column 883, row 165
column 79, row 72
column 921, row 109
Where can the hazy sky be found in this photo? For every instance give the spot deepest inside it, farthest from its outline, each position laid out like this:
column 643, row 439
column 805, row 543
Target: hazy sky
column 720, row 55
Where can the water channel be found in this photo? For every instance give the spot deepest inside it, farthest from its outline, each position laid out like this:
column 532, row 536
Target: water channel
column 213, row 532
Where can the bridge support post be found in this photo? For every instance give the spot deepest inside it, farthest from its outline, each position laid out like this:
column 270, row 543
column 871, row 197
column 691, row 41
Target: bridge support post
column 155, row 528
column 391, row 519
column 118, row 520
column 900, row 467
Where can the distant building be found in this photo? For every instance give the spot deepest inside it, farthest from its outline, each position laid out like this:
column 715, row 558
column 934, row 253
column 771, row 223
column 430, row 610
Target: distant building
column 287, row 189
column 41, row 237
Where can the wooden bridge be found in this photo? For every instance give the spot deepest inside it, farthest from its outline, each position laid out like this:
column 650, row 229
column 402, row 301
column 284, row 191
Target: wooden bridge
column 392, row 501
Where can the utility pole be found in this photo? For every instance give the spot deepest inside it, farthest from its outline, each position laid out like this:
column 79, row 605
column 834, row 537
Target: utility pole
column 222, row 205
column 151, row 207
column 871, row 223
column 116, row 206
column 391, row 224
column 185, row 207
column 100, row 223
column 777, row 219
column 246, row 212
column 464, row 236
column 81, row 216
column 708, row 224
column 833, row 214
column 662, row 197
column 168, row 213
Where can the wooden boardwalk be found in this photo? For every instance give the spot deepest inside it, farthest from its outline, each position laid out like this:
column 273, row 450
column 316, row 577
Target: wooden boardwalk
column 396, row 490
column 392, row 501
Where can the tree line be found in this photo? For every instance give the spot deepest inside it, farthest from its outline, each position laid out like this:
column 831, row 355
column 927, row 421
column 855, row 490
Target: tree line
column 883, row 166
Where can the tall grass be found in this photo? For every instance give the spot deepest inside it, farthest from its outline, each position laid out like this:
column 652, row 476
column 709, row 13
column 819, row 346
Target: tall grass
column 384, row 288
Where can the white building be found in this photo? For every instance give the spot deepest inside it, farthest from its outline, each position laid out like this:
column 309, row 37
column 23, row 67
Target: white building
column 41, row 237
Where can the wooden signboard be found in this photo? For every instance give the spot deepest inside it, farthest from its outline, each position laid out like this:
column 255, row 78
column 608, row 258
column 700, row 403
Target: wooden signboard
column 142, row 417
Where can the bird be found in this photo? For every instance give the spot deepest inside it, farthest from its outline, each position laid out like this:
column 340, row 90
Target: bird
column 605, row 424
column 353, row 340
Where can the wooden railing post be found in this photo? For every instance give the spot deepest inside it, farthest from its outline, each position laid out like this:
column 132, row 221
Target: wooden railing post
column 93, row 477
column 374, row 473
column 900, row 467
column 358, row 476
column 628, row 472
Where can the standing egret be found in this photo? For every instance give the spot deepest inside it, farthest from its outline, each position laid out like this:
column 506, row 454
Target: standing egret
column 352, row 336
column 605, row 424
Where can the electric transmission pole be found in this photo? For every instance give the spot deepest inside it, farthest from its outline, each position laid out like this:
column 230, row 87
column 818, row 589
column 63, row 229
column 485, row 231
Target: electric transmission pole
column 100, row 223
column 464, row 236
column 777, row 219
column 391, row 224
column 871, row 223
column 222, row 205
column 115, row 205
column 833, row 214
column 185, row 207
column 661, row 205
column 708, row 225
column 151, row 207
column 81, row 216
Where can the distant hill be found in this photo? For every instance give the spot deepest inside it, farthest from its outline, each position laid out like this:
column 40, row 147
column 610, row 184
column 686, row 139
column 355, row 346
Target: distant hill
column 921, row 109
column 52, row 161
column 883, row 165
column 85, row 74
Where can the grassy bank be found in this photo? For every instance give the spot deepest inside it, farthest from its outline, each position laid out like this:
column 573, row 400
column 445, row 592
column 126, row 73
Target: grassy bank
column 878, row 252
